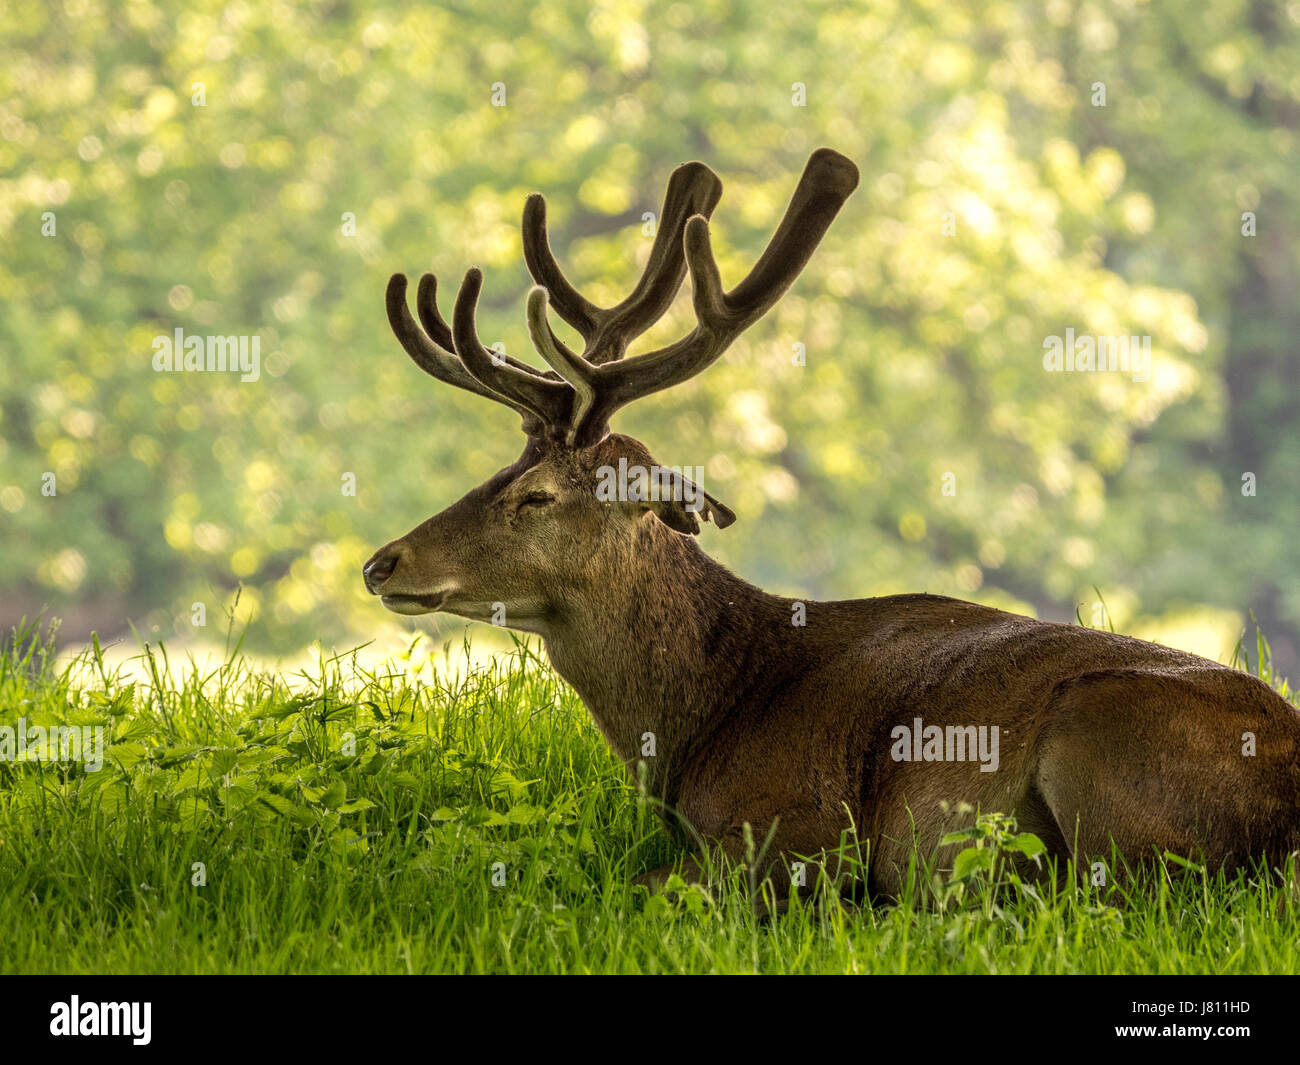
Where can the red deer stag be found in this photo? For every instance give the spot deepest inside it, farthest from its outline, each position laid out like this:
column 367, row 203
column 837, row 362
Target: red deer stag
column 877, row 716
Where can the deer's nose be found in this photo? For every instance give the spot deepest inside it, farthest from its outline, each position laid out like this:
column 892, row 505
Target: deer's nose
column 379, row 568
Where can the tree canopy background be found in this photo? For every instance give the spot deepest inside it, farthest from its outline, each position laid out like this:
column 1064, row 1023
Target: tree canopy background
column 260, row 169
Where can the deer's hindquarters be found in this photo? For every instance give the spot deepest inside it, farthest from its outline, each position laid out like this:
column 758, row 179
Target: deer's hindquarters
column 1203, row 763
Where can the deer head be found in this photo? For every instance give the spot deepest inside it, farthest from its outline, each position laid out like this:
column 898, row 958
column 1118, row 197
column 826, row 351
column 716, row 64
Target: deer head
column 540, row 534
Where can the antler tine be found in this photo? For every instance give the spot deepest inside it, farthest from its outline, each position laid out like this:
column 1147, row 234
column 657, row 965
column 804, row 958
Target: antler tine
column 432, row 355
column 570, row 304
column 606, row 331
column 551, row 400
column 827, row 181
column 426, row 305
column 693, row 189
column 572, row 367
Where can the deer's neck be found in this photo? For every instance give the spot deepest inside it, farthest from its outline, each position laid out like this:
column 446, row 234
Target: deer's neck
column 664, row 650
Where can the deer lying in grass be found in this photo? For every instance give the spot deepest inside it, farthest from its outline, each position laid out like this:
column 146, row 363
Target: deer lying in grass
column 872, row 716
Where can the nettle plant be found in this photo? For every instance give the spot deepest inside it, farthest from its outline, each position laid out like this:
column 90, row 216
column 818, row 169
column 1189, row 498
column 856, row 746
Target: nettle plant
column 749, row 715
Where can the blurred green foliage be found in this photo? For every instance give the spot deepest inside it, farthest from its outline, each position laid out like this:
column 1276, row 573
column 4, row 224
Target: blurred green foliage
column 202, row 161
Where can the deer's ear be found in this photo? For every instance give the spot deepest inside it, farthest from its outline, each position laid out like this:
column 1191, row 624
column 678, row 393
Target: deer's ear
column 674, row 514
column 682, row 507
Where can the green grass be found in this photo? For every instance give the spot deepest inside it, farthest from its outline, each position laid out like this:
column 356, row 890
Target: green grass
column 350, row 821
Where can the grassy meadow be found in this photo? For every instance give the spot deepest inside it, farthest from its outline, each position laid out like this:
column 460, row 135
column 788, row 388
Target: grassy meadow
column 472, row 820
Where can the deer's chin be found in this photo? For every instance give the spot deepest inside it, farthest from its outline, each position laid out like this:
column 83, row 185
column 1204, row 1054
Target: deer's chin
column 413, row 604
column 525, row 615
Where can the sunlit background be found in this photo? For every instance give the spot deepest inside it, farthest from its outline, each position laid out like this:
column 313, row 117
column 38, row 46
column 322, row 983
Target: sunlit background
column 253, row 169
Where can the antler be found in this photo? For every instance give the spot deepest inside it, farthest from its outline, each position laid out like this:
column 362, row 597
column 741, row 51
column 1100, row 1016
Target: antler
column 603, row 386
column 585, row 390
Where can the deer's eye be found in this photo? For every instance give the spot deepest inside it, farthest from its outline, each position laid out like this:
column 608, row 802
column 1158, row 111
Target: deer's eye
column 535, row 499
